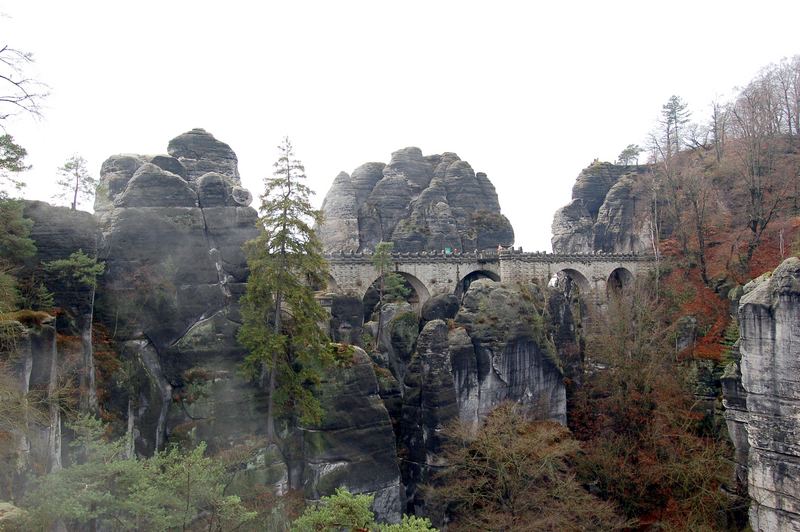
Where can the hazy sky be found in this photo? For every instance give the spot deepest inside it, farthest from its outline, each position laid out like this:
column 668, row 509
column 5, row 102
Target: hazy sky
column 528, row 93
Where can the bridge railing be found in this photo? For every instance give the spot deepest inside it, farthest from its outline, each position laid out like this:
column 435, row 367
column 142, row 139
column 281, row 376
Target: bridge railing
column 493, row 255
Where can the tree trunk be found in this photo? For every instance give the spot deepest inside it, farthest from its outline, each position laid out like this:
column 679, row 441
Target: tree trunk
column 54, row 440
column 88, row 382
column 75, row 194
column 272, row 375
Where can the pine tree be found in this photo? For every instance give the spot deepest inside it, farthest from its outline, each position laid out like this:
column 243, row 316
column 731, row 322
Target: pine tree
column 76, row 181
column 281, row 328
column 674, row 115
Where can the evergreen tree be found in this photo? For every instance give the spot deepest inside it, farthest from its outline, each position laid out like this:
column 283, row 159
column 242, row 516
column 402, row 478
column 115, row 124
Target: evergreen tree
column 282, row 317
column 629, row 154
column 111, row 490
column 12, row 156
column 75, row 181
column 345, row 511
column 674, row 115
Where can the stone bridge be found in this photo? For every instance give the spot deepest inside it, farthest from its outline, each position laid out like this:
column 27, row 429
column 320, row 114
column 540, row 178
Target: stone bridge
column 434, row 272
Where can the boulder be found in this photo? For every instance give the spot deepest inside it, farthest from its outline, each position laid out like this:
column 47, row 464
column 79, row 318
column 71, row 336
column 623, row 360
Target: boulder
column 409, row 164
column 169, row 164
column 347, row 319
column 440, row 307
column 513, row 358
column 213, row 190
column 199, row 152
column 429, row 404
column 572, row 228
column 150, row 186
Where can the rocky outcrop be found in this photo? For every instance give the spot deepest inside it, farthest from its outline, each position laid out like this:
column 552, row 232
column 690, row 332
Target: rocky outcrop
column 769, row 314
column 418, row 202
column 429, row 404
column 172, row 228
column 607, row 213
column 340, row 228
column 354, row 445
column 511, row 358
column 199, row 153
column 496, row 348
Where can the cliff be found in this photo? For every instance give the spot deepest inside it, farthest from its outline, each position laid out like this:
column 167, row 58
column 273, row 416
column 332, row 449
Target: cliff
column 769, row 314
column 418, row 202
column 608, row 212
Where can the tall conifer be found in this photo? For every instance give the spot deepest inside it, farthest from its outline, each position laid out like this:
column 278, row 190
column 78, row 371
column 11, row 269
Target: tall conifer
column 282, row 318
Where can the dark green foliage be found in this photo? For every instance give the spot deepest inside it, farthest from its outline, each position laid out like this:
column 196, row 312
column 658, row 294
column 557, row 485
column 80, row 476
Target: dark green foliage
column 172, row 489
column 391, row 285
column 282, row 317
column 12, row 157
column 34, row 295
column 629, row 155
column 77, row 271
column 15, row 244
column 15, row 248
column 345, row 511
column 394, row 288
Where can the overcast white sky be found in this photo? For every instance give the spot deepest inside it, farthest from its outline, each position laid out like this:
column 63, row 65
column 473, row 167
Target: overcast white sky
column 528, row 93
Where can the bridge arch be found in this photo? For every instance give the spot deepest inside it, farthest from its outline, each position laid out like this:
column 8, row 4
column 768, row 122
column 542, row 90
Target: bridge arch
column 463, row 284
column 577, row 278
column 332, row 285
column 418, row 296
column 619, row 279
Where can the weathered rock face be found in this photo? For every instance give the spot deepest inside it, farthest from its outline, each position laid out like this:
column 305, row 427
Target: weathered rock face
column 510, row 359
column 354, row 446
column 495, row 349
column 58, row 232
column 199, row 153
column 769, row 314
column 36, row 366
column 429, row 404
column 607, row 213
column 418, row 202
column 172, row 229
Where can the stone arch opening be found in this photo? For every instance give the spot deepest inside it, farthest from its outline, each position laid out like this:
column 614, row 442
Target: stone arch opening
column 332, row 285
column 463, row 284
column 417, row 294
column 619, row 280
column 569, row 278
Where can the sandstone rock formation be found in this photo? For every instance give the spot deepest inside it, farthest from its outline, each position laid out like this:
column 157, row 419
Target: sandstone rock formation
column 607, row 213
column 172, row 231
column 354, row 445
column 418, row 202
column 769, row 314
column 496, row 348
